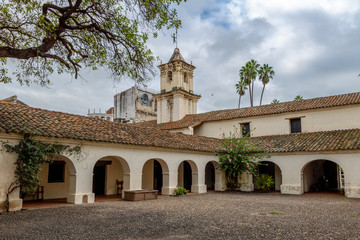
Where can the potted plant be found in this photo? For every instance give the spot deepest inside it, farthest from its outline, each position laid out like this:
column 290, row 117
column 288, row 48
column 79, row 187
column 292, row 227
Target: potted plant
column 180, row 191
column 264, row 182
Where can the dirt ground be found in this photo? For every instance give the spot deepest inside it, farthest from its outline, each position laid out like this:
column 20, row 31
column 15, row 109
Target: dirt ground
column 216, row 215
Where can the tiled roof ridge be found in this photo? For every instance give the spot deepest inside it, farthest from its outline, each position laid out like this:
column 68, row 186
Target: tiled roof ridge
column 21, row 119
column 331, row 140
column 307, row 133
column 282, row 107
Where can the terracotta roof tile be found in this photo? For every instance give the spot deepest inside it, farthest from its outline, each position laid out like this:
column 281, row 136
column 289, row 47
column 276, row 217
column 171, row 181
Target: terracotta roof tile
column 310, row 142
column 22, row 119
column 277, row 108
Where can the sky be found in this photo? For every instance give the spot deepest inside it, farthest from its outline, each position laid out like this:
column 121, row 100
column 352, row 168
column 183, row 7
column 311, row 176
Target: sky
column 313, row 47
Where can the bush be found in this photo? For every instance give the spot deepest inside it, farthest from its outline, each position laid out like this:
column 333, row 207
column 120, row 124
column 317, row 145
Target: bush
column 264, row 182
column 179, row 190
column 238, row 155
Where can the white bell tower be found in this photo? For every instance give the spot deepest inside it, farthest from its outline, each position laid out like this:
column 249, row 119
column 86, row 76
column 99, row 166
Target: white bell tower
column 177, row 97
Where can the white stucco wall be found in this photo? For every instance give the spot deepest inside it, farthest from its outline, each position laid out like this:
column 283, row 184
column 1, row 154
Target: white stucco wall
column 114, row 172
column 148, row 175
column 338, row 118
column 7, row 169
column 52, row 190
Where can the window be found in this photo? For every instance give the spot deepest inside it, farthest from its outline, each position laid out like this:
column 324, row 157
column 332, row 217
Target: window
column 56, row 171
column 169, row 76
column 245, row 129
column 186, row 78
column 295, row 125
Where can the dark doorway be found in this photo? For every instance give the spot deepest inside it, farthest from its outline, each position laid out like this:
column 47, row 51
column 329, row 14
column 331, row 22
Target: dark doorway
column 99, row 177
column 330, row 175
column 158, row 176
column 269, row 169
column 187, row 176
column 210, row 176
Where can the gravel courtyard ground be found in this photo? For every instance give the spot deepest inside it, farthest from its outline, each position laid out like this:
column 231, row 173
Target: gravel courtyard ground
column 204, row 216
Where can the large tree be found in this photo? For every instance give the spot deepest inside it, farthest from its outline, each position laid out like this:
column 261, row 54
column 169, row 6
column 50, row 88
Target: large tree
column 65, row 35
column 248, row 74
column 240, row 89
column 265, row 74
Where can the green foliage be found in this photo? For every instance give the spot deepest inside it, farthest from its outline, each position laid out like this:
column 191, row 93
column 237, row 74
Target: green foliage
column 264, row 182
column 250, row 72
column 238, row 155
column 31, row 154
column 240, row 89
column 298, row 97
column 275, row 101
column 179, row 190
column 275, row 213
column 66, row 35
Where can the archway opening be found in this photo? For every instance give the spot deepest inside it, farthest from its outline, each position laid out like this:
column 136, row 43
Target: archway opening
column 186, row 171
column 272, row 170
column 57, row 179
column 153, row 174
column 109, row 178
column 210, row 176
column 323, row 176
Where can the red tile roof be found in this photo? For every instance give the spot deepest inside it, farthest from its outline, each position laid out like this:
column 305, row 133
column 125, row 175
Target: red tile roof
column 310, row 142
column 276, row 108
column 20, row 119
column 13, row 99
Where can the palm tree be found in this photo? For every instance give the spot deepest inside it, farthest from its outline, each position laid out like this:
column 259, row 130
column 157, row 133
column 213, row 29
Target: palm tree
column 275, row 101
column 249, row 73
column 240, row 89
column 265, row 74
column 298, row 97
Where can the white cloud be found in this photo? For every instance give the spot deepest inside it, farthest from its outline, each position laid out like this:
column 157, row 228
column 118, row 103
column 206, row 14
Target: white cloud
column 312, row 45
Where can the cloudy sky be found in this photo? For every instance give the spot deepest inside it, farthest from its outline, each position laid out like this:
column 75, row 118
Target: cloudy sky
column 313, row 46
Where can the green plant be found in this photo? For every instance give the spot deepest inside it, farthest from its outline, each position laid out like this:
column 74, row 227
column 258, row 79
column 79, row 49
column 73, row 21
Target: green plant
column 65, row 36
column 264, row 182
column 237, row 155
column 275, row 213
column 179, row 190
column 31, row 154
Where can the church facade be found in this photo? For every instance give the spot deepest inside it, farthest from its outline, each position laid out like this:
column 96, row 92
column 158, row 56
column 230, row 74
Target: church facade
column 314, row 144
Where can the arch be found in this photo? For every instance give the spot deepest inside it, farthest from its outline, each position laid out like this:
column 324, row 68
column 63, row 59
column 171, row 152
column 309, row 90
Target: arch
column 210, row 176
column 322, row 175
column 187, row 174
column 58, row 180
column 108, row 173
column 155, row 174
column 272, row 169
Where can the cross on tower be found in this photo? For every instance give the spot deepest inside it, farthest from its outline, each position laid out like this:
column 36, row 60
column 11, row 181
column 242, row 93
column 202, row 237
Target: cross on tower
column 175, row 37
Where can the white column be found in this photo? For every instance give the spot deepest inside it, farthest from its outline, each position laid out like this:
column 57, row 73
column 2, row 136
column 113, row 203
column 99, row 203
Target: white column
column 169, row 182
column 198, row 182
column 80, row 190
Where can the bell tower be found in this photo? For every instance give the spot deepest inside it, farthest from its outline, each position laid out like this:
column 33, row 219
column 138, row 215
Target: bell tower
column 177, row 97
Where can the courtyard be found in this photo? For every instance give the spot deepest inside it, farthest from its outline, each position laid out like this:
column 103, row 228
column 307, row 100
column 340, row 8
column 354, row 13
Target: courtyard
column 214, row 215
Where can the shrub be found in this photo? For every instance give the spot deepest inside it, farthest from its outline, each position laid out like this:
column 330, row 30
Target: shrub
column 237, row 155
column 179, row 190
column 264, row 182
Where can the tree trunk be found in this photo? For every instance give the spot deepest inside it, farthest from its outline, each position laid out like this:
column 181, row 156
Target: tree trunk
column 262, row 92
column 7, row 200
column 252, row 93
column 239, row 101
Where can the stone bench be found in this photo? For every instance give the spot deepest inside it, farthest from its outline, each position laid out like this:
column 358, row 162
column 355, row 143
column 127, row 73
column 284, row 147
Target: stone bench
column 140, row 195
